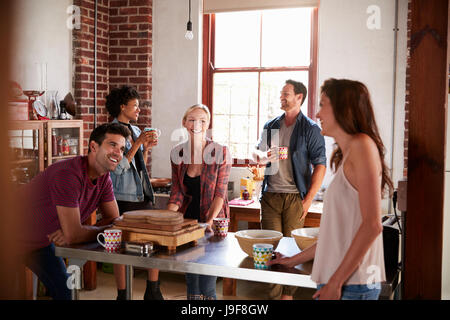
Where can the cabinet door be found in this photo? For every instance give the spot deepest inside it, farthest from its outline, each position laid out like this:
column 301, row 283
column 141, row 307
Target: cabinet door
column 64, row 140
column 26, row 145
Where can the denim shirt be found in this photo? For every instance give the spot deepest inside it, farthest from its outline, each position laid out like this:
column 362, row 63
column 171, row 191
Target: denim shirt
column 127, row 183
column 307, row 148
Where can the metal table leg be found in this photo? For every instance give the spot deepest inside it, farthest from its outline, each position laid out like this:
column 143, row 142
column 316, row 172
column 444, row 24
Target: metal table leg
column 129, row 282
column 74, row 281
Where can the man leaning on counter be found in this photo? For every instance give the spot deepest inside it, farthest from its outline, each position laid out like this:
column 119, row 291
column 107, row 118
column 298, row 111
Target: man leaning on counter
column 62, row 197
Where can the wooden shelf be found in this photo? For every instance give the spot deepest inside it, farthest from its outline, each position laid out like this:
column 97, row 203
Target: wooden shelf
column 24, row 161
column 64, row 157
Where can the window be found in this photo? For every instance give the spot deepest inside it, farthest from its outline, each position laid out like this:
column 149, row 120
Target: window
column 248, row 56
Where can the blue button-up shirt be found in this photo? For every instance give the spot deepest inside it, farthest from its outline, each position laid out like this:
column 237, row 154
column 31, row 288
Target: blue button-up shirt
column 307, row 148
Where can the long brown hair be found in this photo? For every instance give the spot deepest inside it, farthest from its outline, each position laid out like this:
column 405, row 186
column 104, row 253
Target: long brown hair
column 352, row 108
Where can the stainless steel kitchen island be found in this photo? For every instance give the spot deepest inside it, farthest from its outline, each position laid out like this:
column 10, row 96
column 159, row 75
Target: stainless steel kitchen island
column 212, row 255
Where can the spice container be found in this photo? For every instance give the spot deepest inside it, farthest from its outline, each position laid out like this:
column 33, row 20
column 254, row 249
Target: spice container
column 65, row 145
column 140, row 248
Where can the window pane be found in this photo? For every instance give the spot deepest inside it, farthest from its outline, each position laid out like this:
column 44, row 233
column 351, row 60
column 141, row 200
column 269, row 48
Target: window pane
column 235, row 93
column 286, row 37
column 235, row 109
column 237, row 38
column 240, row 151
column 221, row 129
column 271, row 85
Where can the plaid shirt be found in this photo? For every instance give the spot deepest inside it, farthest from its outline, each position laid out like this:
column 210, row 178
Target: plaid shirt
column 216, row 168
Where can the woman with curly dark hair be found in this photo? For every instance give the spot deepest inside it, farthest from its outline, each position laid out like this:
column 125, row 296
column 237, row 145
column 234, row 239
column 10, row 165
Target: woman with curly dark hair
column 131, row 181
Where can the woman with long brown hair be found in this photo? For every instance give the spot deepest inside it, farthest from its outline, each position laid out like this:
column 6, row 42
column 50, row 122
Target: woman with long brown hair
column 348, row 257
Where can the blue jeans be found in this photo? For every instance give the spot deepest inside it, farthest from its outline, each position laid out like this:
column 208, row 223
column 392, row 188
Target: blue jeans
column 200, row 287
column 359, row 291
column 51, row 270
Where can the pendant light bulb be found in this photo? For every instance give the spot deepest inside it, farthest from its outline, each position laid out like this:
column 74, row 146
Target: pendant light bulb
column 189, row 35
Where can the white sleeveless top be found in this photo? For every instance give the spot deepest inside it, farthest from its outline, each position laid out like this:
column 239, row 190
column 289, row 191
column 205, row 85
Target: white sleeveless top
column 339, row 224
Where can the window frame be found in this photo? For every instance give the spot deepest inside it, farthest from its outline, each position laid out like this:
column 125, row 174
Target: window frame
column 208, row 71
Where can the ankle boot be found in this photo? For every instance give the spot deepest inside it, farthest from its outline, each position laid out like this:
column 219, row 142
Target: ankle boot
column 152, row 291
column 121, row 294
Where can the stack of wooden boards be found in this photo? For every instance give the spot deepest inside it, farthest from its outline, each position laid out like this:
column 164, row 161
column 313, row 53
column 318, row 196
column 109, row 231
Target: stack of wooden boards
column 162, row 227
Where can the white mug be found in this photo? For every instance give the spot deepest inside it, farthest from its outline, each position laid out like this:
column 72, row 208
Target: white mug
column 113, row 239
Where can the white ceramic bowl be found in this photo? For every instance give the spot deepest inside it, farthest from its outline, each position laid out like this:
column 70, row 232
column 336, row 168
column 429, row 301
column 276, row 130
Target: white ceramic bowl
column 246, row 239
column 305, row 237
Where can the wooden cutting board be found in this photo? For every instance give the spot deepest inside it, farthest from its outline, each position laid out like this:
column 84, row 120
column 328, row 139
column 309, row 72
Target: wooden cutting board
column 159, row 232
column 163, row 227
column 164, row 217
column 170, row 241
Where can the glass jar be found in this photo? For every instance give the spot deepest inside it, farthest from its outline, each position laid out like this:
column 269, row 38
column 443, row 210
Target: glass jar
column 54, row 143
column 73, row 145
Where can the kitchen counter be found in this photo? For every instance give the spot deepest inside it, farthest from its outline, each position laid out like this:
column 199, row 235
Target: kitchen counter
column 215, row 256
column 212, row 255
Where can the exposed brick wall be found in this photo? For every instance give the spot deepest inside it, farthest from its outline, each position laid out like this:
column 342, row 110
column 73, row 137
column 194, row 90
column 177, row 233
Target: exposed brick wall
column 124, row 57
column 83, row 62
column 407, row 97
column 130, row 50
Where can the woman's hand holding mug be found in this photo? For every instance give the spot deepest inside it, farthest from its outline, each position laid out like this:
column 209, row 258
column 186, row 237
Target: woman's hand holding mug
column 151, row 135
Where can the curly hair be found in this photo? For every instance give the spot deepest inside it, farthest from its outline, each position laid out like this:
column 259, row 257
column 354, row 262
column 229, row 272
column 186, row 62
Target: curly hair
column 119, row 96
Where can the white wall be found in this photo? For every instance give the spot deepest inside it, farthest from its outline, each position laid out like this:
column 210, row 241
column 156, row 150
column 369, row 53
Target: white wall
column 176, row 73
column 41, row 35
column 347, row 48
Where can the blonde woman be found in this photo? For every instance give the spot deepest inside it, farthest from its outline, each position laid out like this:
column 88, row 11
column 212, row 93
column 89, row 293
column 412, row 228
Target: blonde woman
column 200, row 171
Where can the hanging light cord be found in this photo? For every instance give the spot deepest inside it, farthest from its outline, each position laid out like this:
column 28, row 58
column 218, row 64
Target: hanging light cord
column 189, row 10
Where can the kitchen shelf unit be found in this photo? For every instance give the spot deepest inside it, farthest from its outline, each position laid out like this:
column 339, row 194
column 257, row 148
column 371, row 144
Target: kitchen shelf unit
column 71, row 130
column 26, row 145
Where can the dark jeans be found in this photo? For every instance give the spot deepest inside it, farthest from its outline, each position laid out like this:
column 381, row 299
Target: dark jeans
column 51, row 270
column 200, row 287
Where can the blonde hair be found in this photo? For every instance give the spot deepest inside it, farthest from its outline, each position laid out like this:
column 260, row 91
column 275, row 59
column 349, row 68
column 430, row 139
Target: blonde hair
column 197, row 106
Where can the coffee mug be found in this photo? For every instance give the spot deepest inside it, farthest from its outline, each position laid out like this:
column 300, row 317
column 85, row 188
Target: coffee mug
column 156, row 132
column 113, row 239
column 262, row 253
column 221, row 226
column 283, row 153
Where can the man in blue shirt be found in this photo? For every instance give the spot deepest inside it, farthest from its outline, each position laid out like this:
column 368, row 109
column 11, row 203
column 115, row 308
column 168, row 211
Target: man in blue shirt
column 290, row 183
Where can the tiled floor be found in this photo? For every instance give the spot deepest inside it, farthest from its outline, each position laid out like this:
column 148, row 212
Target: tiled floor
column 173, row 288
